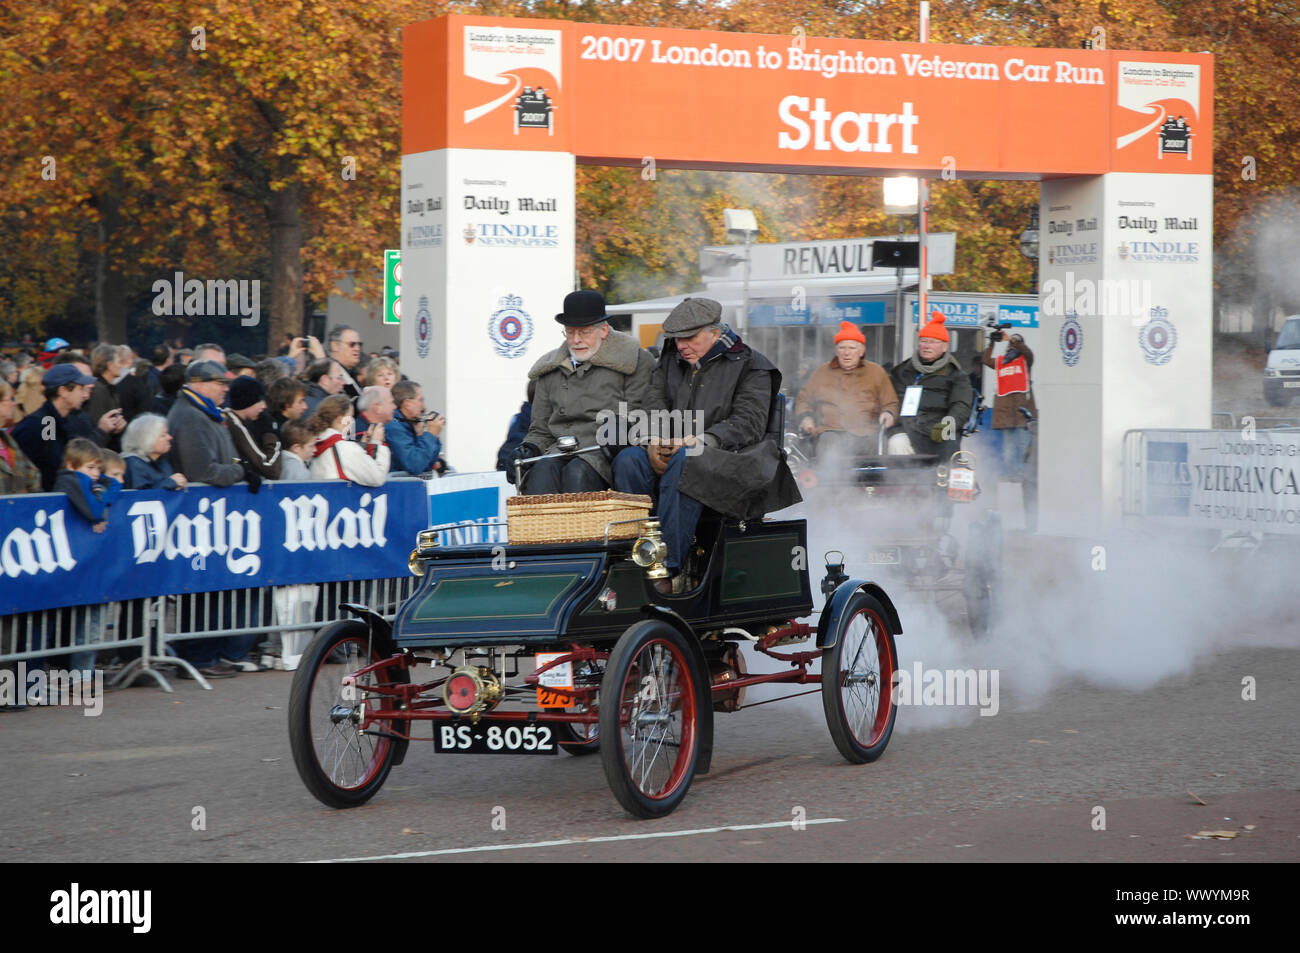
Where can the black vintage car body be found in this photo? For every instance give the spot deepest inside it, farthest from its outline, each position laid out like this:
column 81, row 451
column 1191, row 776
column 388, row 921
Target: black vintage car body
column 643, row 672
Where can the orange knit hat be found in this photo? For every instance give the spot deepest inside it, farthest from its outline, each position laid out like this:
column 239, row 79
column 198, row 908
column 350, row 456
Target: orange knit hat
column 849, row 332
column 934, row 328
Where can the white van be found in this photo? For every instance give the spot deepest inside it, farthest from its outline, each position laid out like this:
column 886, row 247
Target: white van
column 1282, row 370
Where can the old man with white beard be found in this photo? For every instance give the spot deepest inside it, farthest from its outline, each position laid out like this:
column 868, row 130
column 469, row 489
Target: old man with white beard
column 596, row 369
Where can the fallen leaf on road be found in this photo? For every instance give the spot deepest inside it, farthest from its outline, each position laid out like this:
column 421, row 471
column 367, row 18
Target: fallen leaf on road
column 1038, row 741
column 269, row 760
column 1250, row 827
column 963, row 845
column 1194, row 798
column 271, row 708
column 1071, row 731
column 1213, row 835
column 411, row 830
column 76, row 774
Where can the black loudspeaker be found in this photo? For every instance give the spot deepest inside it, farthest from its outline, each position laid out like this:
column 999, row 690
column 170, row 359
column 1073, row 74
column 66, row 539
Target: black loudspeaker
column 895, row 254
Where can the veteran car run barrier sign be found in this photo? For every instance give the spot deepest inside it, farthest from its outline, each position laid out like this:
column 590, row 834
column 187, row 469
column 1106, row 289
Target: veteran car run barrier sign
column 1216, row 479
column 206, row 539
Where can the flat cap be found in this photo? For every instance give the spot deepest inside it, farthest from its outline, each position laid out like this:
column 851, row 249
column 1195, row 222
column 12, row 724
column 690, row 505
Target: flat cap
column 205, row 371
column 234, row 361
column 692, row 316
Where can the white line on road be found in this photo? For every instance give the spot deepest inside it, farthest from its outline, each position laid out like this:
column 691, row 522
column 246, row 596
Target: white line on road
column 574, row 840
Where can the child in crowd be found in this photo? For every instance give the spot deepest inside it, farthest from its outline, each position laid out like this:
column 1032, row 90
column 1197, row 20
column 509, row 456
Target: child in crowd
column 82, row 478
column 301, row 444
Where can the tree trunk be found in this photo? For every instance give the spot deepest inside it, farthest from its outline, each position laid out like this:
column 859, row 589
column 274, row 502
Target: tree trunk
column 110, row 293
column 286, row 264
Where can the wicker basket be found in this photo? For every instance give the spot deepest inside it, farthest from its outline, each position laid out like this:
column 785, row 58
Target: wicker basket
column 574, row 517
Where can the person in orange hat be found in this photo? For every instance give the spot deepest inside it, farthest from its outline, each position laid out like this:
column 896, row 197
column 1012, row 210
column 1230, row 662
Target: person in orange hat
column 936, row 394
column 847, row 401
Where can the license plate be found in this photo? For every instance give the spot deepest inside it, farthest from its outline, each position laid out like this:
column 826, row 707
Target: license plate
column 1291, row 383
column 485, row 738
column 885, row 557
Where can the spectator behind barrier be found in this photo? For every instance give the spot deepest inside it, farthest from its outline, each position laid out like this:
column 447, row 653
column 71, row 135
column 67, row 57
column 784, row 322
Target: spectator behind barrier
column 202, row 448
column 255, row 438
column 170, row 381
column 346, row 349
column 413, row 434
column 30, row 394
column 336, row 456
column 145, row 446
column 324, row 379
column 375, row 406
column 299, row 448
column 43, row 435
column 286, row 400
column 382, row 372
column 270, row 371
column 517, row 430
column 17, row 473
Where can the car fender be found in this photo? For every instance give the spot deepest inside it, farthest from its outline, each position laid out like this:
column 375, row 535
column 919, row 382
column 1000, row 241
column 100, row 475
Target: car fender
column 702, row 666
column 381, row 635
column 828, row 623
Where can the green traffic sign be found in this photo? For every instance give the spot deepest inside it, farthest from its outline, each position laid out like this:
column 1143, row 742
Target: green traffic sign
column 392, row 286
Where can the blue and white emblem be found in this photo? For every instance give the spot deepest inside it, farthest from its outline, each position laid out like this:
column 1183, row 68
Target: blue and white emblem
column 1071, row 339
column 510, row 328
column 423, row 327
column 1158, row 337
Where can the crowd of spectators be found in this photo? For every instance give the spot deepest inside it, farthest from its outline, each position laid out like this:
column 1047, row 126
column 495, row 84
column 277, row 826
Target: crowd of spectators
column 97, row 421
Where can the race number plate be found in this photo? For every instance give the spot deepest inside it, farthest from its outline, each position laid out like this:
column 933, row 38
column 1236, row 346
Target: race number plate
column 494, row 739
column 551, row 684
column 889, row 556
column 961, row 484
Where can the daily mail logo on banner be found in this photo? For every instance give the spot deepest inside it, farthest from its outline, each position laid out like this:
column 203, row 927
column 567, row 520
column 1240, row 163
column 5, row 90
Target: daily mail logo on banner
column 526, row 63
column 202, row 540
column 1166, row 100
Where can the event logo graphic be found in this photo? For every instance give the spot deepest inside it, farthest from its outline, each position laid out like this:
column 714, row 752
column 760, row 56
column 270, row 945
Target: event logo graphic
column 1168, row 479
column 1071, row 339
column 526, row 62
column 510, row 328
column 1160, row 95
column 423, row 327
column 1158, row 337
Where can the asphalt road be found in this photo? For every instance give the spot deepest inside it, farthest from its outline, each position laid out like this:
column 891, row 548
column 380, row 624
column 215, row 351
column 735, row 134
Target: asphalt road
column 1184, row 754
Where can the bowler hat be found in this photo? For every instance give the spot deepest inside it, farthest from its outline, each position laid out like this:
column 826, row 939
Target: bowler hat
column 691, row 316
column 582, row 308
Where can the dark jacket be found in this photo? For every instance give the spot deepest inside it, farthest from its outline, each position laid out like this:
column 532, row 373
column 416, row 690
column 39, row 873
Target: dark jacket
column 315, row 394
column 740, row 471
column 142, row 474
column 569, row 400
column 251, row 447
column 136, row 396
column 201, row 447
column 1006, row 410
column 47, row 455
column 515, row 433
column 945, row 392
column 20, row 475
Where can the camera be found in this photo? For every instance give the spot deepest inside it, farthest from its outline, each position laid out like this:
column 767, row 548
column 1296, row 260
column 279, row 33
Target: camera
column 997, row 329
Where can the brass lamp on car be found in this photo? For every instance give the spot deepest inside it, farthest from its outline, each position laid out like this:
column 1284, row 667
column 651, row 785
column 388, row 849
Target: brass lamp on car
column 425, row 539
column 649, row 551
column 472, row 689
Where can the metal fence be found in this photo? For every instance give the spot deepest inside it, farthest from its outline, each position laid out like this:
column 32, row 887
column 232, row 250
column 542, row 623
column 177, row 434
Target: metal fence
column 143, row 633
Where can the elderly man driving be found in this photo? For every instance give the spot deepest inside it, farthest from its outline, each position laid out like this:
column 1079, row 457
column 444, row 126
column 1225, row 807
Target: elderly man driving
column 722, row 392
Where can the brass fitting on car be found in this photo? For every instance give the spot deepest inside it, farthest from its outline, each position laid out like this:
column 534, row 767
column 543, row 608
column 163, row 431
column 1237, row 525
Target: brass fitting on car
column 426, row 539
column 649, row 551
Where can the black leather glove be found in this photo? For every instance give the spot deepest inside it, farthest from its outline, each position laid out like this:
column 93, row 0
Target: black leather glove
column 525, row 451
column 995, row 336
column 253, row 478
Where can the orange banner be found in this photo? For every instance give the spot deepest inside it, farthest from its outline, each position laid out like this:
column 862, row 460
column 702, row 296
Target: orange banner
column 630, row 95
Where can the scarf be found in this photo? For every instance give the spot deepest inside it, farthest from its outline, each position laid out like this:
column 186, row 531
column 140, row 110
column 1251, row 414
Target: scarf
column 203, row 404
column 922, row 368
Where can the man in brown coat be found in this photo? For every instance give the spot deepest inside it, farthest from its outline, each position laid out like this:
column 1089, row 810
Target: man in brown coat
column 847, row 401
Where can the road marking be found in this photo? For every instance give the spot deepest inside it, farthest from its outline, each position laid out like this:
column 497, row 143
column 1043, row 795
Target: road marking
column 569, row 842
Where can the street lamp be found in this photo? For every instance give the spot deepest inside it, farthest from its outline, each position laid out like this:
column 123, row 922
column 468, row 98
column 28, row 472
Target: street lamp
column 1029, row 243
column 741, row 224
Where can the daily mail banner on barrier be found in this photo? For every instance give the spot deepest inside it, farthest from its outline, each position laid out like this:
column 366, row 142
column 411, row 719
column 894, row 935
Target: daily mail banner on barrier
column 205, row 539
column 1223, row 479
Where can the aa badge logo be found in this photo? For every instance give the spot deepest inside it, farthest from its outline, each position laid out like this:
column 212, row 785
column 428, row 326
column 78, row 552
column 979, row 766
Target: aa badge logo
column 1158, row 337
column 510, row 328
column 423, row 327
column 468, row 234
column 1071, row 339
